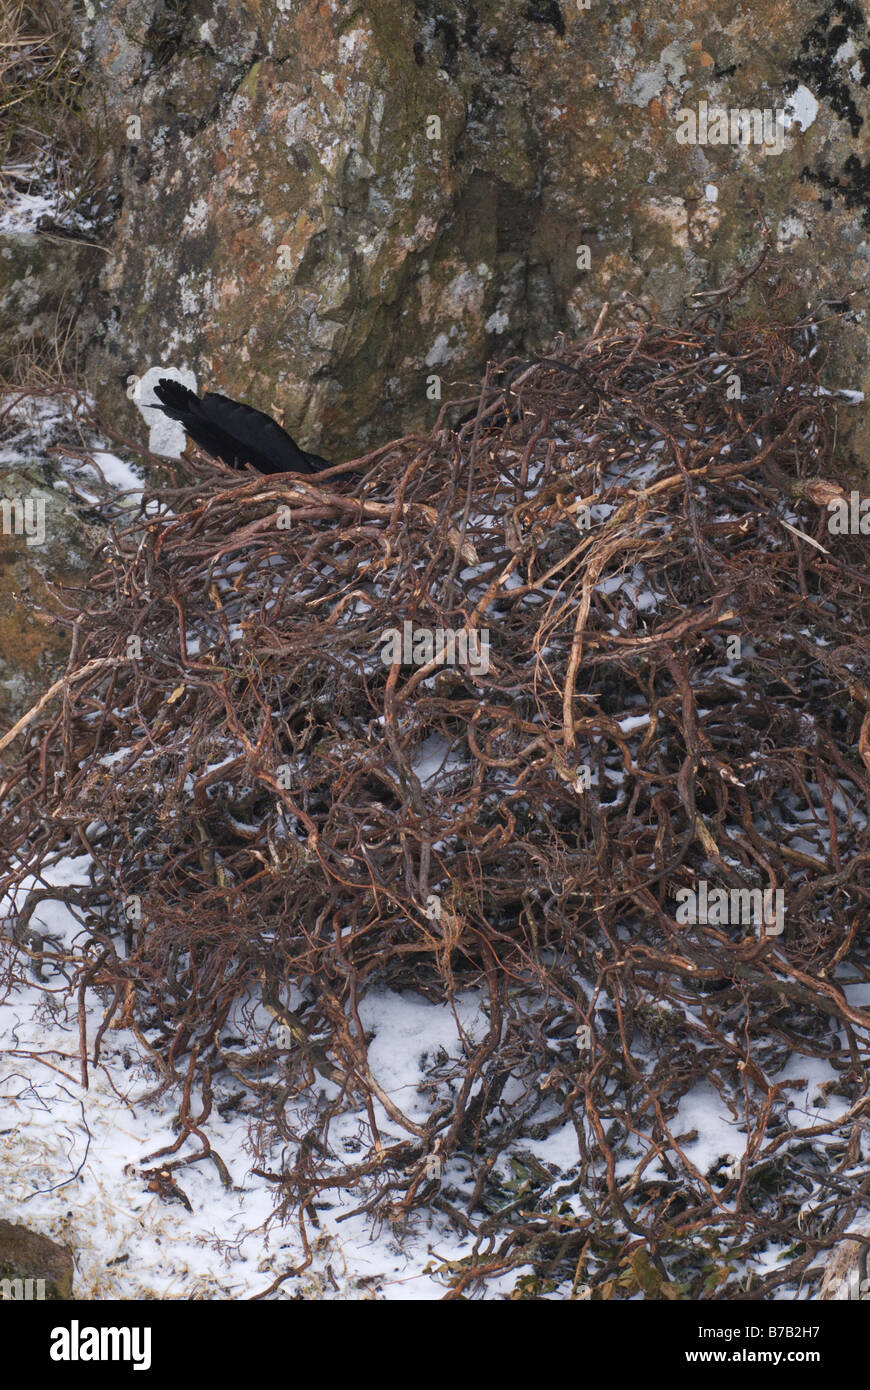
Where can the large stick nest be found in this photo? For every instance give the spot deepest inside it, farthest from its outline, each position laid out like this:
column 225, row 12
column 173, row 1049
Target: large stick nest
column 297, row 823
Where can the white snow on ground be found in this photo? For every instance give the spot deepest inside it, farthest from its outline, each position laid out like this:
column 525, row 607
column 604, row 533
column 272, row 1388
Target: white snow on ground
column 118, row 473
column 33, row 424
column 71, row 1154
column 29, row 192
column 71, row 1158
column 633, row 721
column 20, row 211
column 853, row 397
column 704, row 1114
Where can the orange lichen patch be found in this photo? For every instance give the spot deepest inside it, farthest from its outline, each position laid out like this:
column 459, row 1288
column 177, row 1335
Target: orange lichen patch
column 657, row 114
column 40, row 645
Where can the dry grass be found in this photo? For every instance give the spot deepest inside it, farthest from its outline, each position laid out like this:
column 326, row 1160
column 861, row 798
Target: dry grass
column 42, row 364
column 47, row 129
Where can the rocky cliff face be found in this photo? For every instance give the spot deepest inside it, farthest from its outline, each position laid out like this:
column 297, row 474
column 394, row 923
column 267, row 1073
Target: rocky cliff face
column 322, row 206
